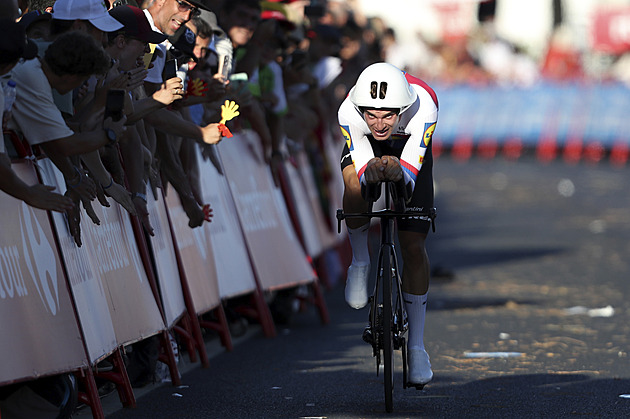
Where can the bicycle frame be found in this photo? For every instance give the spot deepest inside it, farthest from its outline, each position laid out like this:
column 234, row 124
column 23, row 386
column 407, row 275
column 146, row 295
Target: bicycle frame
column 387, row 317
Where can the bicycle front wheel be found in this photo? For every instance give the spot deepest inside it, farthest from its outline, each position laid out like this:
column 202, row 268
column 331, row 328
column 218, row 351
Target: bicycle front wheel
column 388, row 333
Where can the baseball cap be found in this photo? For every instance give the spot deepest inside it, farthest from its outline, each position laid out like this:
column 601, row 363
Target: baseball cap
column 183, row 43
column 94, row 11
column 136, row 24
column 13, row 43
column 211, row 19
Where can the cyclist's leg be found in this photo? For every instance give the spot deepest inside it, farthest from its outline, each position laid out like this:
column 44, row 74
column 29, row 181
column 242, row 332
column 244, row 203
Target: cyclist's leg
column 416, row 272
column 353, row 202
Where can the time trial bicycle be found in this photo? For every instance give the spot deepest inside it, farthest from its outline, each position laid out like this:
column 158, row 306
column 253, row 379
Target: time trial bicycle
column 387, row 318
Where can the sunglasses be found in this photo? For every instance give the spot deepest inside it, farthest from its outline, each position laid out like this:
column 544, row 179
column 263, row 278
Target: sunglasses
column 184, row 7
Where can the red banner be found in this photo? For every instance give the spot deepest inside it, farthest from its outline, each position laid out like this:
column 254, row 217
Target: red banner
column 611, row 30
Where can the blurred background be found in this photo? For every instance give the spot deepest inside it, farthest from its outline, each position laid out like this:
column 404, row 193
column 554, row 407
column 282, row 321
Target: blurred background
column 548, row 76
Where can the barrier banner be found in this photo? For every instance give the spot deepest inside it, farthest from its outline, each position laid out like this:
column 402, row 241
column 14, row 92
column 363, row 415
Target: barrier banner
column 114, row 300
column 167, row 272
column 40, row 333
column 197, row 256
column 316, row 235
column 234, row 270
column 277, row 255
column 317, row 213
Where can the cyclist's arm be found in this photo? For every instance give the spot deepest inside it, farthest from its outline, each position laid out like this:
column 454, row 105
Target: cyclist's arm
column 354, row 131
column 421, row 128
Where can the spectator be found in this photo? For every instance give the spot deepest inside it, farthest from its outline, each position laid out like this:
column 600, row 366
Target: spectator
column 241, row 21
column 67, row 64
column 13, row 46
column 167, row 17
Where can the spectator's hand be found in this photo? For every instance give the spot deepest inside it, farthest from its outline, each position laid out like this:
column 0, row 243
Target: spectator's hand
column 41, row 196
column 100, row 195
column 73, row 217
column 211, row 134
column 87, row 204
column 209, row 152
column 135, row 78
column 117, row 126
column 82, row 185
column 122, row 196
column 143, row 213
column 170, row 91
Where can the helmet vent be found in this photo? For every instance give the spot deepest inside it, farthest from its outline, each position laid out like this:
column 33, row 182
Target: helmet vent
column 381, row 89
column 373, row 89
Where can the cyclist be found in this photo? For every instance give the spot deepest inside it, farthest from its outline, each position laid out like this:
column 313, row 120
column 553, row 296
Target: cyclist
column 387, row 121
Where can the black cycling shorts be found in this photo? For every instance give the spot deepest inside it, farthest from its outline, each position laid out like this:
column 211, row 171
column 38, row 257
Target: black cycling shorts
column 422, row 198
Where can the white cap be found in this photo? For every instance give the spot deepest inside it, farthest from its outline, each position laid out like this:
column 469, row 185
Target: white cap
column 93, row 10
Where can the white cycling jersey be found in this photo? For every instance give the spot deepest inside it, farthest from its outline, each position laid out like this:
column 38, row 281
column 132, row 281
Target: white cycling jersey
column 415, row 129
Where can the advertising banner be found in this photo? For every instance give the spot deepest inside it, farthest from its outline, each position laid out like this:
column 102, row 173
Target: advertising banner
column 165, row 261
column 40, row 333
column 234, row 270
column 278, row 257
column 195, row 248
column 114, row 300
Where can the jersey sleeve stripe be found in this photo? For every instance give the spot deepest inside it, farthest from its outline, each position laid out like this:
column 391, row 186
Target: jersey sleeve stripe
column 413, row 172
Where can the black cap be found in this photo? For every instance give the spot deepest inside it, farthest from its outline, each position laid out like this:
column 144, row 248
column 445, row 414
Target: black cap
column 136, row 24
column 13, row 43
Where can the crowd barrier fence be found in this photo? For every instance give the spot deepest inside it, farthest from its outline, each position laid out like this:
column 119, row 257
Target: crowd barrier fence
column 66, row 308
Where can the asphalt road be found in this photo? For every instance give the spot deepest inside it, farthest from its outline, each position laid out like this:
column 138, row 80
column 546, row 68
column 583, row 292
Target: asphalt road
column 541, row 261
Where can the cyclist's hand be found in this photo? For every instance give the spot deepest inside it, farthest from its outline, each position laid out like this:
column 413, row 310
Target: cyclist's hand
column 374, row 171
column 392, row 170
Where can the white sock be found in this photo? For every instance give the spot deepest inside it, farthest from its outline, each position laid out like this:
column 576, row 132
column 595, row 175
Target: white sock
column 416, row 306
column 359, row 243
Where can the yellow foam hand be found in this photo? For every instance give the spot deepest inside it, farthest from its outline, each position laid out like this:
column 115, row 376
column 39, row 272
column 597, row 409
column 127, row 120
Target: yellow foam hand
column 228, row 111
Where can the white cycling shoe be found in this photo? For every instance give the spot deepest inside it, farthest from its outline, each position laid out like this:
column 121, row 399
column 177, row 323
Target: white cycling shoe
column 418, row 367
column 356, row 286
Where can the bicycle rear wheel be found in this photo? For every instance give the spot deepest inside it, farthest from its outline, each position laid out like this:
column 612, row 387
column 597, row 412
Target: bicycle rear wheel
column 388, row 333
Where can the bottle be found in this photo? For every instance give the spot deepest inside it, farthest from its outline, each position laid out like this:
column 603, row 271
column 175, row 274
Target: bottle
column 10, row 91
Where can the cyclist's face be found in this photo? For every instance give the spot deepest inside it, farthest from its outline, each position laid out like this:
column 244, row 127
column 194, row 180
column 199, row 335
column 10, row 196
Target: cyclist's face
column 381, row 123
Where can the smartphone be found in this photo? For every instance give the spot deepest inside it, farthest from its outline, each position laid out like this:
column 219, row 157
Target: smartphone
column 115, row 104
column 224, row 66
column 170, row 70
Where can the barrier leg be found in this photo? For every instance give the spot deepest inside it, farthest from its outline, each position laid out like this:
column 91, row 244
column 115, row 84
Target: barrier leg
column 168, row 357
column 119, row 377
column 183, row 330
column 90, row 396
column 259, row 310
column 220, row 326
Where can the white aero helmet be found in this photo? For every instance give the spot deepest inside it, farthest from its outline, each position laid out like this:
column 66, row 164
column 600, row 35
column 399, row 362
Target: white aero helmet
column 382, row 86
